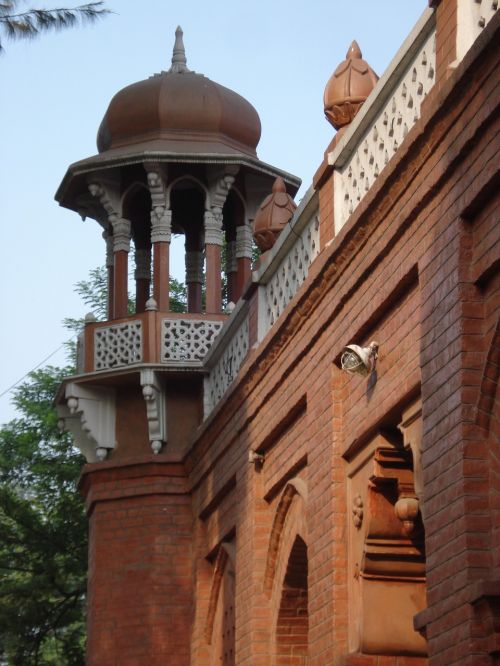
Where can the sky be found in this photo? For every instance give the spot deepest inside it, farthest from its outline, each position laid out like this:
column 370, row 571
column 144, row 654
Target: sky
column 54, row 91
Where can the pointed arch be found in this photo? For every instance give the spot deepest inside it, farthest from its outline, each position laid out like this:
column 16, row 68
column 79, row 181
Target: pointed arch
column 187, row 177
column 225, row 553
column 294, row 487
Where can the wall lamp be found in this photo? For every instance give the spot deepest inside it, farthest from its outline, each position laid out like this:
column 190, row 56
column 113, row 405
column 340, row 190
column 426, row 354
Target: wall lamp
column 358, row 360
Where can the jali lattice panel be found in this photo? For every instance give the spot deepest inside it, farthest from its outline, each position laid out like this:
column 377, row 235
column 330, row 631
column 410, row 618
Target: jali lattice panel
column 187, row 339
column 117, row 345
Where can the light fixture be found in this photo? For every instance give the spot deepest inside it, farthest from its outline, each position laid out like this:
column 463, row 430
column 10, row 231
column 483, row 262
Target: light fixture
column 358, row 360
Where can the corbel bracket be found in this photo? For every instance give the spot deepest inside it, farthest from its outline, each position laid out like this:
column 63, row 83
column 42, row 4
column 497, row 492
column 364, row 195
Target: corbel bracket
column 155, row 405
column 89, row 415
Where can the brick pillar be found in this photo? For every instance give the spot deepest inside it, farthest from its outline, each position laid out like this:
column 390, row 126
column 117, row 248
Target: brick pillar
column 140, row 587
column 213, row 242
column 110, row 262
column 121, row 247
column 142, row 277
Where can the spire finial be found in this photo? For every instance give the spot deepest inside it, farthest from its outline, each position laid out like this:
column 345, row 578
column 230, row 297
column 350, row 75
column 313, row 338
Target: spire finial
column 179, row 62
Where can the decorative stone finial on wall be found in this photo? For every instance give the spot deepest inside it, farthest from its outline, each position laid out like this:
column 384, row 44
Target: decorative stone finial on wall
column 274, row 212
column 348, row 88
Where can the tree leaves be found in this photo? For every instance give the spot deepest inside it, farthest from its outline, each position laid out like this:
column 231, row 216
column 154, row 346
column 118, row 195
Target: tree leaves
column 31, row 23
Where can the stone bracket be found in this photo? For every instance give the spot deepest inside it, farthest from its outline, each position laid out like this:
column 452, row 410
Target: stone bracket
column 154, row 396
column 89, row 415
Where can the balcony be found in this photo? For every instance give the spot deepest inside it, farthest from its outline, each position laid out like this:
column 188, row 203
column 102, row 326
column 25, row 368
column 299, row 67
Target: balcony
column 170, row 339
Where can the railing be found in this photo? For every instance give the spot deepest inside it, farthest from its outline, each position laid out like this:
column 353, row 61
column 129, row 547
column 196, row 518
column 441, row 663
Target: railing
column 385, row 119
column 226, row 357
column 472, row 17
column 118, row 345
column 187, row 339
column 149, row 337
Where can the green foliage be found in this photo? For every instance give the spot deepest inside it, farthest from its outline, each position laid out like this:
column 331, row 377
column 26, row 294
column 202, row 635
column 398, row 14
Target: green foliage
column 31, row 23
column 178, row 295
column 43, row 545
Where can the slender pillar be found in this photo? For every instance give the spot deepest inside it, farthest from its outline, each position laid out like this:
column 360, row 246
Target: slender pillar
column 142, row 277
column 194, row 279
column 243, row 257
column 108, row 237
column 121, row 248
column 231, row 272
column 161, row 233
column 213, row 243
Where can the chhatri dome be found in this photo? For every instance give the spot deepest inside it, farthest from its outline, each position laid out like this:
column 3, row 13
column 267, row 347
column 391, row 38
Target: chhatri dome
column 180, row 110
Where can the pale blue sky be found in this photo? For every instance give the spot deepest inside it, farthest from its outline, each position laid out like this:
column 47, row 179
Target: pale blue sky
column 278, row 54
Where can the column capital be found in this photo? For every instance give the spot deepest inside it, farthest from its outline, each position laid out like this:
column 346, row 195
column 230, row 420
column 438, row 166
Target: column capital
column 161, row 224
column 121, row 233
column 244, row 242
column 194, row 266
column 213, row 227
column 142, row 263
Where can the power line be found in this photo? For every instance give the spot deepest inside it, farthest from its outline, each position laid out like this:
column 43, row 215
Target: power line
column 33, row 369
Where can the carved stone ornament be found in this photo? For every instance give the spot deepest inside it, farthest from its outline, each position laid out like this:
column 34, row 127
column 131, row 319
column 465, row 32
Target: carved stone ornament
column 194, row 266
column 155, row 407
column 357, row 511
column 161, row 216
column 89, row 415
column 121, row 233
column 213, row 227
column 348, row 88
column 274, row 213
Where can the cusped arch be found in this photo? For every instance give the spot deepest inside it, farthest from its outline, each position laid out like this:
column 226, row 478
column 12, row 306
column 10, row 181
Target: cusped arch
column 295, row 487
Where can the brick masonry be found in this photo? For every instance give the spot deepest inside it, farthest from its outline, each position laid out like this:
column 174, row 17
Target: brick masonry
column 213, row 560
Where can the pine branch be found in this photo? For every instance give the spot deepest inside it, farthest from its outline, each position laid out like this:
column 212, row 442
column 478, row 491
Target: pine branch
column 30, row 24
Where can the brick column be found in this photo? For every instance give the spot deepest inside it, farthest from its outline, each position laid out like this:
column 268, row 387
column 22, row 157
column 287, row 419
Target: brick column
column 140, row 587
column 142, row 278
column 110, row 271
column 243, row 257
column 121, row 247
column 161, row 232
column 213, row 242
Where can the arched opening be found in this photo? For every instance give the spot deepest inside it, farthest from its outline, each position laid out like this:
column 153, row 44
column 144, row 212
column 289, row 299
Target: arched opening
column 188, row 206
column 293, row 622
column 137, row 209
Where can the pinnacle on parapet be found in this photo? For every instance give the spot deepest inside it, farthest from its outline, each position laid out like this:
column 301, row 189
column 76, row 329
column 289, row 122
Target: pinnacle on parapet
column 179, row 62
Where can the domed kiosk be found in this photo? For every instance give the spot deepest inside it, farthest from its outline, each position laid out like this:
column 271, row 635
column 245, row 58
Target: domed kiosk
column 177, row 154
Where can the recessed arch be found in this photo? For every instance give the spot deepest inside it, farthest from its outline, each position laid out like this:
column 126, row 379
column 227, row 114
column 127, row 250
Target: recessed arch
column 187, row 178
column 293, row 488
column 225, row 554
column 489, row 381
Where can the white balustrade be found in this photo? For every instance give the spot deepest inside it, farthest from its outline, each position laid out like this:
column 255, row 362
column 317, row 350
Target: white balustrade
column 187, row 339
column 473, row 16
column 290, row 273
column 226, row 367
column 384, row 120
column 117, row 345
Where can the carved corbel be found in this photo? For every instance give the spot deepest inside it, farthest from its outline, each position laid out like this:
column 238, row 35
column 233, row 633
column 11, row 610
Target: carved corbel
column 108, row 195
column 218, row 195
column 89, row 415
column 155, row 406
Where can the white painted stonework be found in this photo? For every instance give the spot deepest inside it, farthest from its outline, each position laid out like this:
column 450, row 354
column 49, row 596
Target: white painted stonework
column 117, row 345
column 187, row 339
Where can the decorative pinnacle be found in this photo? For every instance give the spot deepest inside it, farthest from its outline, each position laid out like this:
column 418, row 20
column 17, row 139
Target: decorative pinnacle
column 354, row 52
column 179, row 62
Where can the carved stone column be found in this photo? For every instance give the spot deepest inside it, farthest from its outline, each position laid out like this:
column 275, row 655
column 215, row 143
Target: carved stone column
column 108, row 195
column 213, row 243
column 142, row 277
column 243, row 257
column 121, row 248
column 194, row 279
column 161, row 233
column 231, row 272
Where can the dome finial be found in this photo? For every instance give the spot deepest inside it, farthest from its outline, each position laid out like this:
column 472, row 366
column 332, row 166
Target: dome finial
column 179, row 62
